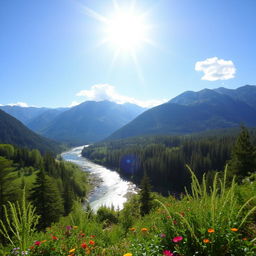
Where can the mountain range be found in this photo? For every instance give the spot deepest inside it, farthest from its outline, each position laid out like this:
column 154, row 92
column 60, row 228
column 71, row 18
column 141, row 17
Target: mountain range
column 85, row 123
column 189, row 112
column 195, row 112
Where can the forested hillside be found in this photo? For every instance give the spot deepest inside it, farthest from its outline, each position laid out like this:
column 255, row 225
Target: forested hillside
column 164, row 158
column 51, row 185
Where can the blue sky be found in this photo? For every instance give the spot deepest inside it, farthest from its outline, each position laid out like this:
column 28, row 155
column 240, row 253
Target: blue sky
column 50, row 52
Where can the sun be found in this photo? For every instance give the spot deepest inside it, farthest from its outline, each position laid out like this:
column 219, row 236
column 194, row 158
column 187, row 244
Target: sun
column 126, row 30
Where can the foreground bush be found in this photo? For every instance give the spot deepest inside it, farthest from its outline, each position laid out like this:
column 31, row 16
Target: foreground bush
column 208, row 221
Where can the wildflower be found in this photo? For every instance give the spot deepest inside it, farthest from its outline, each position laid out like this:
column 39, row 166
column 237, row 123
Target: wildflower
column 144, row 230
column 68, row 227
column 84, row 245
column 87, row 251
column 132, row 229
column 37, row 243
column 234, row 229
column 91, row 242
column 168, row 217
column 168, row 253
column 175, row 222
column 206, row 241
column 44, row 241
column 54, row 238
column 182, row 214
column 72, row 250
column 75, row 227
column 177, row 239
column 128, row 254
column 162, row 235
column 82, row 234
column 211, row 230
column 244, row 238
column 92, row 236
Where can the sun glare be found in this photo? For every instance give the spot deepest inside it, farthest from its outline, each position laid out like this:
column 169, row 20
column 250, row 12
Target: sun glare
column 126, row 30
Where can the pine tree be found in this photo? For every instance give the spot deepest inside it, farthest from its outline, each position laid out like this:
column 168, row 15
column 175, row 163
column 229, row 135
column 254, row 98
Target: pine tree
column 243, row 156
column 145, row 196
column 45, row 196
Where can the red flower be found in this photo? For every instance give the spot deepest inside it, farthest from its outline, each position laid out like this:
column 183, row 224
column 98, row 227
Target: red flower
column 37, row 243
column 84, row 245
column 168, row 253
column 82, row 234
column 54, row 238
column 92, row 236
column 177, row 239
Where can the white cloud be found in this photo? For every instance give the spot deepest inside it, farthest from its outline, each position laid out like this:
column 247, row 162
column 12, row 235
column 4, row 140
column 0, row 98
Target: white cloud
column 101, row 92
column 19, row 104
column 73, row 104
column 216, row 69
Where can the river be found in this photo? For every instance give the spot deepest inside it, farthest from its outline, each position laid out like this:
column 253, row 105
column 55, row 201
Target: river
column 111, row 190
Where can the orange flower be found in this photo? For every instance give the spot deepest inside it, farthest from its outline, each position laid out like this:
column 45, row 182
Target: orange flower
column 244, row 238
column 127, row 254
column 132, row 229
column 72, row 250
column 144, row 230
column 206, row 241
column 211, row 230
column 91, row 242
column 234, row 229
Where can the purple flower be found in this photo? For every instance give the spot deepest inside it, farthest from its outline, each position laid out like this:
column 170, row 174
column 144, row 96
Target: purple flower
column 68, row 227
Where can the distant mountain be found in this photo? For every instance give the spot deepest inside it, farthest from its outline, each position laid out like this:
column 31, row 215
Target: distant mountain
column 90, row 121
column 42, row 121
column 193, row 112
column 23, row 114
column 35, row 118
column 14, row 132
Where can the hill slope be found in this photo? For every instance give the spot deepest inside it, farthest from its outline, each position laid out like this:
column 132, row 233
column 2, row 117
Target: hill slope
column 191, row 112
column 90, row 121
column 14, row 132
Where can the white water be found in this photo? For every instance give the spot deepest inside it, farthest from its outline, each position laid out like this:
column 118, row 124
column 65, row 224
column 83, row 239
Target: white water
column 112, row 189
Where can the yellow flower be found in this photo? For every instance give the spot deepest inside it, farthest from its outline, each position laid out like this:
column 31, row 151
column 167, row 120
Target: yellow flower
column 206, row 241
column 234, row 229
column 75, row 227
column 72, row 250
column 144, row 230
column 127, row 254
column 211, row 230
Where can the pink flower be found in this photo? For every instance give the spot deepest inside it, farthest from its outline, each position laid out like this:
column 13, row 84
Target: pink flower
column 177, row 239
column 162, row 235
column 168, row 253
column 37, row 243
